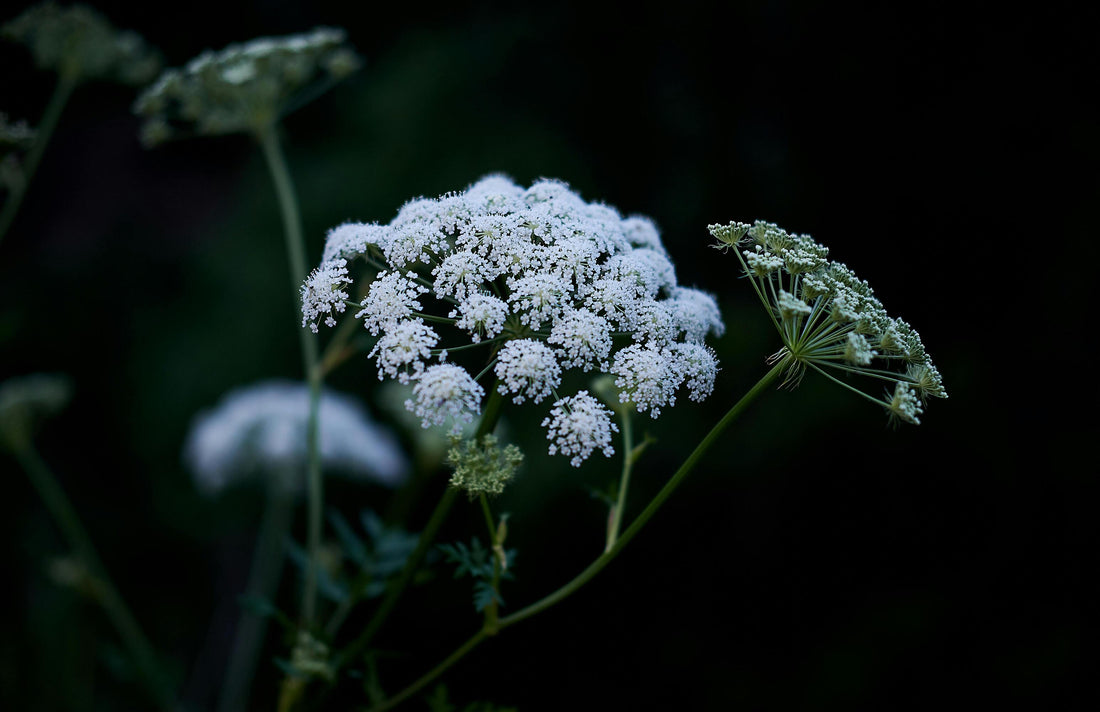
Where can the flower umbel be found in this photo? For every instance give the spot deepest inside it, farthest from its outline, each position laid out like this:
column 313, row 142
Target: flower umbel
column 830, row 320
column 79, row 42
column 528, row 284
column 244, row 87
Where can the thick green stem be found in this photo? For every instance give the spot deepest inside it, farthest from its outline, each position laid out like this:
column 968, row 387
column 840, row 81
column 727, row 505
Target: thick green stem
column 66, row 82
column 267, row 565
column 296, row 253
column 596, row 566
column 489, row 417
column 144, row 657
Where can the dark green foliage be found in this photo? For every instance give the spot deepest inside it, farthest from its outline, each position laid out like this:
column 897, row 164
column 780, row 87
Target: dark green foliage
column 479, row 563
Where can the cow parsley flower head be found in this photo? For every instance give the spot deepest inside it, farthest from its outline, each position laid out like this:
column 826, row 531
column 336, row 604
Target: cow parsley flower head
column 79, row 43
column 830, row 320
column 260, row 431
column 244, row 87
column 527, row 285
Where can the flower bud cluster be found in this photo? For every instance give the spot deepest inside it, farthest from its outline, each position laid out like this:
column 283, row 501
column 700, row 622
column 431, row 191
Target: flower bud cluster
column 262, row 430
column 78, row 42
column 542, row 283
column 829, row 319
column 244, row 87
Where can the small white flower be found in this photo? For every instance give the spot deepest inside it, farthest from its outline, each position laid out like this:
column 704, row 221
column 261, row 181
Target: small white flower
column 537, row 298
column 445, row 392
column 577, row 425
column 695, row 314
column 697, row 366
column 460, row 274
column 392, row 297
column 647, row 377
column 353, row 239
column 323, row 293
column 481, row 315
column 583, row 339
column 401, row 351
column 527, row 369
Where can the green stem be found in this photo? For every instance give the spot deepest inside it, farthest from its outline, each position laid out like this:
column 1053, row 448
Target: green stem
column 624, row 482
column 66, row 82
column 489, row 417
column 296, row 253
column 655, row 504
column 596, row 566
column 144, row 657
column 267, row 564
column 432, row 674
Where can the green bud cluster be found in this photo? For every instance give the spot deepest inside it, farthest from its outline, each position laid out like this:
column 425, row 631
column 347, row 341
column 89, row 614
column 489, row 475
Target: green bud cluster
column 244, row 87
column 830, row 320
column 80, row 43
column 483, row 467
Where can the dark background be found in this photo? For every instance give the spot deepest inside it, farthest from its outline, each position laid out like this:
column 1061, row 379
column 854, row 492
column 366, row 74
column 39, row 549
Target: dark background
column 818, row 559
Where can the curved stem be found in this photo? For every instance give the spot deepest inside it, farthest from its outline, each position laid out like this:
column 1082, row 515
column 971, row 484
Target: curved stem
column 144, row 657
column 432, row 674
column 604, row 559
column 296, row 254
column 489, row 417
column 66, row 82
column 655, row 504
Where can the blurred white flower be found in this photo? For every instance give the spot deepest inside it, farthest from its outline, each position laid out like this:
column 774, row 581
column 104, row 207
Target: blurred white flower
column 259, row 432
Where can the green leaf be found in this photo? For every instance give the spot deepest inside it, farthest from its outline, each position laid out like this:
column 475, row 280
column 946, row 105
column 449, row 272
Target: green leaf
column 353, row 546
column 329, row 588
column 260, row 606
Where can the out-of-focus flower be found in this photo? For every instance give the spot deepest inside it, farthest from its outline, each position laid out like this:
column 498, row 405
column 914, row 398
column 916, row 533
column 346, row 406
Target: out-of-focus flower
column 79, row 43
column 244, row 87
column 260, row 431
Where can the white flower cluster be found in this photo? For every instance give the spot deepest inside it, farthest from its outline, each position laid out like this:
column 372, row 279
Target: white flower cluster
column 261, row 430
column 829, row 319
column 244, row 87
column 545, row 282
column 79, row 42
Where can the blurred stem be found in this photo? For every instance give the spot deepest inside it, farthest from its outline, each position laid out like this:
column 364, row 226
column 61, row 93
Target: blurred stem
column 629, row 456
column 66, row 82
column 296, row 252
column 489, row 417
column 144, row 657
column 263, row 580
column 604, row 559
